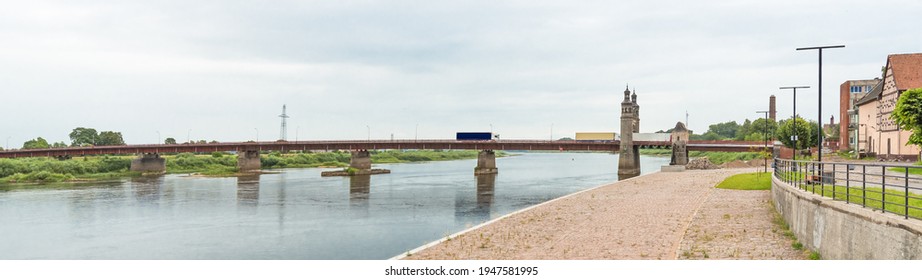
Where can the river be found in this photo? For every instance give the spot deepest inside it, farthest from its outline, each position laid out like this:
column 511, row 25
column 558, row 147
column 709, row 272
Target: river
column 294, row 214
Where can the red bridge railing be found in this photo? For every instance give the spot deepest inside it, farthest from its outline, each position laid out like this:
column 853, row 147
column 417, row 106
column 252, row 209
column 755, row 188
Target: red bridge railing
column 727, row 146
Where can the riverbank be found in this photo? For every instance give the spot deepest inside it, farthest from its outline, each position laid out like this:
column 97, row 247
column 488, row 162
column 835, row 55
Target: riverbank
column 656, row 216
column 96, row 168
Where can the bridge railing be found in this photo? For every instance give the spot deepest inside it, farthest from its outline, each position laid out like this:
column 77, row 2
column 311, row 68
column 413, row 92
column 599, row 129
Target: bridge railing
column 887, row 188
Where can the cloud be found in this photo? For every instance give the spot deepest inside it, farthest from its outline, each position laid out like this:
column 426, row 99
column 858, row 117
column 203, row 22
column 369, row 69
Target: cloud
column 223, row 70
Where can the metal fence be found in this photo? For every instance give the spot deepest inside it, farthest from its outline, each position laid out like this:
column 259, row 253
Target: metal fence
column 889, row 188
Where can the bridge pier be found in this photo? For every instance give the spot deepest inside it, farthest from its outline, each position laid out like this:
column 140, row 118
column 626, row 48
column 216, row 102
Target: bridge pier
column 486, row 163
column 149, row 163
column 361, row 162
column 248, row 161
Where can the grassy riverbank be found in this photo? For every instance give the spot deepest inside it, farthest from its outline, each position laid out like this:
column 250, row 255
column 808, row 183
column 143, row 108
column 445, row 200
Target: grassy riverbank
column 714, row 157
column 747, row 181
column 216, row 164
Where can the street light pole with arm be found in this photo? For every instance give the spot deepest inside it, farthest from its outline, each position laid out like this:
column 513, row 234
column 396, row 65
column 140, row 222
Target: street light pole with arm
column 819, row 93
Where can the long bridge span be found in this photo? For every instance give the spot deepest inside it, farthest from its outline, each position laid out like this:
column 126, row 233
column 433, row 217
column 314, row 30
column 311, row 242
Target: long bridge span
column 248, row 152
column 352, row 145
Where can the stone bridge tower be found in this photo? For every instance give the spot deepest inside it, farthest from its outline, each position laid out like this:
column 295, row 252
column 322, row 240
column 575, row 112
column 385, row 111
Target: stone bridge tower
column 629, row 159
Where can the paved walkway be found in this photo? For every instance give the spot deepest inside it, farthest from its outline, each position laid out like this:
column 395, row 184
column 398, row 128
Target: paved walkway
column 657, row 216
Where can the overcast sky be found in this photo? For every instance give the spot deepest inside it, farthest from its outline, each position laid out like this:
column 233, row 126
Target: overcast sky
column 221, row 70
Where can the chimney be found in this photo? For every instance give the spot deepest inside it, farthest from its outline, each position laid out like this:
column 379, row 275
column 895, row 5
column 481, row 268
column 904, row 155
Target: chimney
column 771, row 107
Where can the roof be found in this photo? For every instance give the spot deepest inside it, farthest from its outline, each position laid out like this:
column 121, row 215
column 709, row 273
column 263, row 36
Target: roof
column 872, row 95
column 907, row 70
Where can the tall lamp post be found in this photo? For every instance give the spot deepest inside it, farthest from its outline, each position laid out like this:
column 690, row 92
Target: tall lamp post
column 765, row 138
column 819, row 118
column 794, row 116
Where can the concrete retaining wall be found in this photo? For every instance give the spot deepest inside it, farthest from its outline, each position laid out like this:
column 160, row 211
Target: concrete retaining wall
column 846, row 231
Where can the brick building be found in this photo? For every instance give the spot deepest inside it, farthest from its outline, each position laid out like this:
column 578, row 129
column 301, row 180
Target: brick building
column 849, row 93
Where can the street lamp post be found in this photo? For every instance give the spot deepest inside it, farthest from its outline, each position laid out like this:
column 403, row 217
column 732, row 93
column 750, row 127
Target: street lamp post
column 765, row 138
column 794, row 116
column 819, row 118
column 858, row 140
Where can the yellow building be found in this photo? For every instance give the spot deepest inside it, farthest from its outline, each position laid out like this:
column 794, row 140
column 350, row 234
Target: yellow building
column 595, row 136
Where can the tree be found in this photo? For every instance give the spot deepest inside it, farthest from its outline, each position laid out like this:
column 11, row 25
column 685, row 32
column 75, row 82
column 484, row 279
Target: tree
column 763, row 126
column 908, row 114
column 169, row 141
column 710, row 135
column 565, row 139
column 83, row 136
column 725, row 130
column 59, row 145
column 110, row 138
column 744, row 130
column 37, row 143
column 806, row 133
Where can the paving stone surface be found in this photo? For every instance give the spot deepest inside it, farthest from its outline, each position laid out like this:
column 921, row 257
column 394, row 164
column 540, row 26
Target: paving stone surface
column 657, row 216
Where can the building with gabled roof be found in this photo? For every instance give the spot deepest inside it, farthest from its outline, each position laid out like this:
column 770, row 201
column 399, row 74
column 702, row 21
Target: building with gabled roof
column 877, row 132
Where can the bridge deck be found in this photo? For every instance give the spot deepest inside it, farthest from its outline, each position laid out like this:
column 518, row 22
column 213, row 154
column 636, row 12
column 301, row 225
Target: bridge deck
column 525, row 145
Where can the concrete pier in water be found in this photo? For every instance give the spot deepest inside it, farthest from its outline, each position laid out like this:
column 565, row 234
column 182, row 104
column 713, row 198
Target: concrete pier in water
column 149, row 163
column 486, row 163
column 248, row 161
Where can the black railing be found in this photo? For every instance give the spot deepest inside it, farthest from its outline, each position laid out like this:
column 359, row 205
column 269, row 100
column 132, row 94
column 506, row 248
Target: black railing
column 895, row 189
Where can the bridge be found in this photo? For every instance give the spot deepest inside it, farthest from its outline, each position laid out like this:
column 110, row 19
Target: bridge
column 248, row 152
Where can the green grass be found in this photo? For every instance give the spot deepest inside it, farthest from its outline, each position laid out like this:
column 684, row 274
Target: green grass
column 871, row 197
column 49, row 170
column 778, row 220
column 747, row 181
column 714, row 157
column 914, row 171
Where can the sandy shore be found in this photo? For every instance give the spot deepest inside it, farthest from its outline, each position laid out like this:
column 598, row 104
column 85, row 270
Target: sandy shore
column 656, row 216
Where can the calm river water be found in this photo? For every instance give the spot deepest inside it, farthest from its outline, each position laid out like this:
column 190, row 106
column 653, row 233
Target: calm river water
column 295, row 214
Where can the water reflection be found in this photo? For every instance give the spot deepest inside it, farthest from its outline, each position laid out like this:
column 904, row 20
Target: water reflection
column 359, row 187
column 477, row 209
column 359, row 190
column 248, row 190
column 294, row 214
column 146, row 188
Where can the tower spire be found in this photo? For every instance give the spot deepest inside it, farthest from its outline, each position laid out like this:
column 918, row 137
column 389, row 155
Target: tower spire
column 627, row 93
